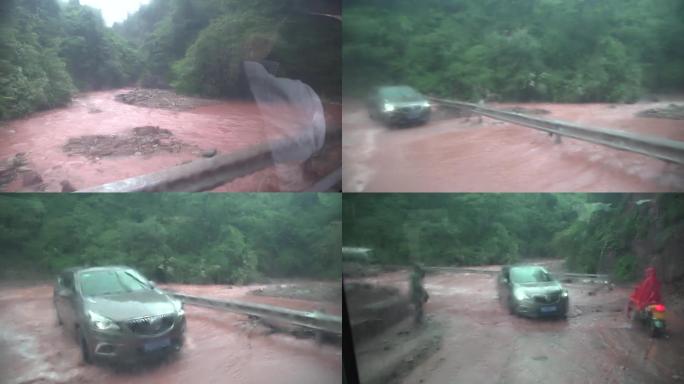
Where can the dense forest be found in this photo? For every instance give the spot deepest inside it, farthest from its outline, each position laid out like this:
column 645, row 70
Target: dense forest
column 613, row 233
column 218, row 238
column 50, row 49
column 516, row 50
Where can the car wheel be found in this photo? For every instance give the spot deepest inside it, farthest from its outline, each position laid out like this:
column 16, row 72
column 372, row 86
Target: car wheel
column 85, row 350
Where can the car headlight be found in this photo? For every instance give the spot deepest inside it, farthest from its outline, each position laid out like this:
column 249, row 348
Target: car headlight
column 564, row 293
column 101, row 323
column 425, row 104
column 178, row 305
column 520, row 294
column 388, row 107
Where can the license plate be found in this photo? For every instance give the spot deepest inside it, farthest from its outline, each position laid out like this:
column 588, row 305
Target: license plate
column 157, row 344
column 551, row 308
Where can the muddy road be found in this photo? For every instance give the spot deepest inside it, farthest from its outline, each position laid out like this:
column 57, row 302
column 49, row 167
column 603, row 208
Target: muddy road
column 103, row 130
column 463, row 155
column 220, row 347
column 483, row 343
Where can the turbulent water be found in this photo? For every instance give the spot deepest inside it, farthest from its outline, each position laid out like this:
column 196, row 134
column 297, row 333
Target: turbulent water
column 220, row 347
column 225, row 126
column 465, row 155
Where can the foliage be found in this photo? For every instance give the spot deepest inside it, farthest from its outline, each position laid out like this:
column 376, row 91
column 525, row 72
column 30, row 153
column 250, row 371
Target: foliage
column 49, row 49
column 459, row 229
column 219, row 238
column 32, row 76
column 198, row 46
column 595, row 233
column 95, row 56
column 563, row 51
column 605, row 239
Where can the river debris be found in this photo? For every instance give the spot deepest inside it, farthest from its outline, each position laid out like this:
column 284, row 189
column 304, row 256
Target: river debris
column 141, row 141
column 10, row 167
column 162, row 98
column 209, row 152
column 672, row 111
column 67, row 186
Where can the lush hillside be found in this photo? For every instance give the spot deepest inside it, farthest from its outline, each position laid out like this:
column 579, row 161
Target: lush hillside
column 222, row 238
column 619, row 234
column 198, row 46
column 458, row 229
column 49, row 49
column 552, row 50
column 624, row 234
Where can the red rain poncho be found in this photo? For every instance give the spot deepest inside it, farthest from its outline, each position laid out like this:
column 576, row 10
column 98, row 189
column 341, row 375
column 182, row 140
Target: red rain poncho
column 648, row 292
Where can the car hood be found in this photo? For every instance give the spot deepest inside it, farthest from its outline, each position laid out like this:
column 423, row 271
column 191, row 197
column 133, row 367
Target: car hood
column 404, row 103
column 130, row 305
column 540, row 288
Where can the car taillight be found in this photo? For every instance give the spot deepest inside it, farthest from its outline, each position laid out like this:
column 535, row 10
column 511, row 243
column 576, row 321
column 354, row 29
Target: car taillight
column 659, row 308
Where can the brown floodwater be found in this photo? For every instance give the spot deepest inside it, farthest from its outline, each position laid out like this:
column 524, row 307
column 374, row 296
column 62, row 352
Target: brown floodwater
column 220, row 347
column 463, row 155
column 482, row 342
column 225, row 126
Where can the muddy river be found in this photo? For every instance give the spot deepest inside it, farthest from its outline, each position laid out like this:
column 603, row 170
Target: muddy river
column 220, row 347
column 483, row 343
column 465, row 155
column 220, row 126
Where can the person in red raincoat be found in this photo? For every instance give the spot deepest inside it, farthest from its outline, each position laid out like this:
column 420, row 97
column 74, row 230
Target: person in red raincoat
column 646, row 293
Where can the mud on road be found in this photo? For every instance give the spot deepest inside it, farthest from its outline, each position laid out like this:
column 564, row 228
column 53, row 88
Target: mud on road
column 466, row 154
column 220, row 347
column 482, row 343
column 93, row 141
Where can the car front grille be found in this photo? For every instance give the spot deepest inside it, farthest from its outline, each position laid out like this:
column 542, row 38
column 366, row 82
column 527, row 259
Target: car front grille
column 547, row 298
column 151, row 325
column 411, row 109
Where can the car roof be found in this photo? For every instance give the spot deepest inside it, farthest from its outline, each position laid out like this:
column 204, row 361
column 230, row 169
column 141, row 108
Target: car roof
column 524, row 266
column 75, row 270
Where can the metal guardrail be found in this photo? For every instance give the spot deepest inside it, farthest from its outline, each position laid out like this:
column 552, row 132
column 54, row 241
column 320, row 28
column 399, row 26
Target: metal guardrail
column 317, row 321
column 601, row 278
column 462, row 270
column 657, row 147
column 206, row 174
column 591, row 277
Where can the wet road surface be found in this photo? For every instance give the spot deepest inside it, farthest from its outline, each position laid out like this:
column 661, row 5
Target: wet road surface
column 462, row 155
column 220, row 347
column 484, row 344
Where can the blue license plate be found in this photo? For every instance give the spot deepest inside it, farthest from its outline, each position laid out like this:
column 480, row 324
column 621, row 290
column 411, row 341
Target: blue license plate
column 157, row 344
column 550, row 308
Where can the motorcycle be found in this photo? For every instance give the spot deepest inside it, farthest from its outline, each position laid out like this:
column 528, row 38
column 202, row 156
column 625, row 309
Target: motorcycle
column 651, row 316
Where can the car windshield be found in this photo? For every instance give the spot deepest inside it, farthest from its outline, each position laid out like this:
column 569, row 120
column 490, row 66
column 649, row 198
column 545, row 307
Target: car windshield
column 108, row 282
column 400, row 93
column 529, row 275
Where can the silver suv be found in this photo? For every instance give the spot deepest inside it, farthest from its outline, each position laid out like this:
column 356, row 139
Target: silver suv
column 117, row 314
